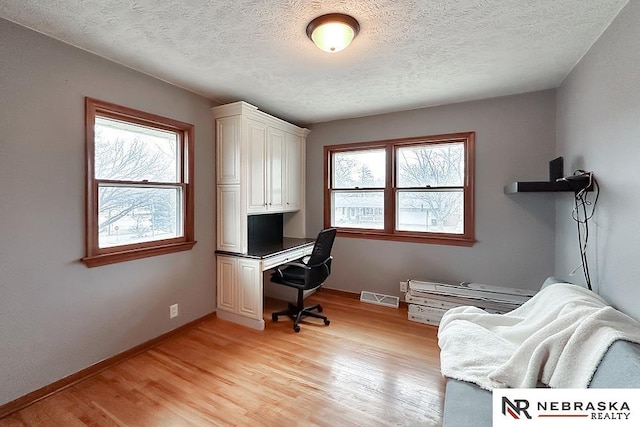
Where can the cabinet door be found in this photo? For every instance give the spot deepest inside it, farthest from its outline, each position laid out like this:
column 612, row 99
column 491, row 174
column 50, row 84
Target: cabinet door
column 256, row 173
column 228, row 134
column 231, row 224
column 227, row 283
column 294, row 181
column 249, row 289
column 275, row 170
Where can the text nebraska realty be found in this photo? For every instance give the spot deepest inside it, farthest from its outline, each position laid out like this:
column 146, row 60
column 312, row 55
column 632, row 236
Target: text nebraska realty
column 598, row 410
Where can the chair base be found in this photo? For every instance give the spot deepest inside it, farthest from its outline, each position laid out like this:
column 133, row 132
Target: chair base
column 297, row 313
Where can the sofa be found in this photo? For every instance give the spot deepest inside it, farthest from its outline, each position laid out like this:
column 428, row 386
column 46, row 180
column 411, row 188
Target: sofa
column 466, row 404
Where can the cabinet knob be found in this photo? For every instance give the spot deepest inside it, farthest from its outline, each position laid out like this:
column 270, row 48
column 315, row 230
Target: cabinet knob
column 269, row 204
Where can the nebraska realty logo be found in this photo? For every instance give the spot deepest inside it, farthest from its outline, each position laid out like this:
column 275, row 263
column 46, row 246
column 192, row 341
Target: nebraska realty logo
column 573, row 407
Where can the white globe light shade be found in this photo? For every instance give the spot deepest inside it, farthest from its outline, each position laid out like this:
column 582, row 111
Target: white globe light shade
column 333, row 32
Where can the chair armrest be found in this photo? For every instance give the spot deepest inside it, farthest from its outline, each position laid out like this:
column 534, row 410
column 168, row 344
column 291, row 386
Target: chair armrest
column 302, row 266
column 290, row 264
column 294, row 264
column 321, row 263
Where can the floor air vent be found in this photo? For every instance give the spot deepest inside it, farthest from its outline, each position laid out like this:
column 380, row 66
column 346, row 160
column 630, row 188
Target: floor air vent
column 379, row 299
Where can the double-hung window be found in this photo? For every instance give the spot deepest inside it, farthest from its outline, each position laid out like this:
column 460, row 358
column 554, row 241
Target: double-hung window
column 139, row 200
column 414, row 189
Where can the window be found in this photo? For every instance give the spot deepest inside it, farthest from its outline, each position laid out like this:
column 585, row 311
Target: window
column 139, row 184
column 417, row 189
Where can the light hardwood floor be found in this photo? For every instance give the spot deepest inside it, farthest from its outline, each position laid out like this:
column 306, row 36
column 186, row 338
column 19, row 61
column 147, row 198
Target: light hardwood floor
column 370, row 367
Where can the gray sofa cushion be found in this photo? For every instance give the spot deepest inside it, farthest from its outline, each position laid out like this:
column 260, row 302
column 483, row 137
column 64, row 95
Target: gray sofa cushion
column 466, row 405
column 619, row 368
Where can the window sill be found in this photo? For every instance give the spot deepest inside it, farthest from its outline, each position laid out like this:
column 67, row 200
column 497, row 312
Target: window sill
column 115, row 257
column 408, row 237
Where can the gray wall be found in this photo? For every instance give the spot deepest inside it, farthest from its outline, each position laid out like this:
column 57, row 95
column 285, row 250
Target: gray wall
column 515, row 139
column 56, row 315
column 598, row 129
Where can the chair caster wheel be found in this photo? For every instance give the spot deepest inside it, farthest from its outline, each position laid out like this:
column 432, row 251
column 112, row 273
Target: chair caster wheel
column 274, row 318
column 296, row 328
column 327, row 321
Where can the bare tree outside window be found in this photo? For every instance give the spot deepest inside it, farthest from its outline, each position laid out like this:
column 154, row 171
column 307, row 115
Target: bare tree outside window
column 361, row 176
column 125, row 152
column 433, row 176
column 139, row 184
column 429, row 196
column 361, row 169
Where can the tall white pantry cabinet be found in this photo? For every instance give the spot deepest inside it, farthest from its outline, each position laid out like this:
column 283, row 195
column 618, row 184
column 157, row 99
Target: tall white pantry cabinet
column 259, row 170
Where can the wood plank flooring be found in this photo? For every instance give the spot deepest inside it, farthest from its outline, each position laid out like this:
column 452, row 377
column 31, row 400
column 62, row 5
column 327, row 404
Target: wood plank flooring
column 370, row 367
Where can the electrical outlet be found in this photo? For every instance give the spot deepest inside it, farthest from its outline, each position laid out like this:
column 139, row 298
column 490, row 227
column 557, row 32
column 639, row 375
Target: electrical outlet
column 403, row 286
column 173, row 311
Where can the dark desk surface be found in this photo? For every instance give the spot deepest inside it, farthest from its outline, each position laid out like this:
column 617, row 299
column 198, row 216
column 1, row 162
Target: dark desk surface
column 262, row 252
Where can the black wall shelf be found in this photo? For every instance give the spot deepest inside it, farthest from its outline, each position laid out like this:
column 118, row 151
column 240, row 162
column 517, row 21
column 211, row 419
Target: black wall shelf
column 546, row 186
column 557, row 182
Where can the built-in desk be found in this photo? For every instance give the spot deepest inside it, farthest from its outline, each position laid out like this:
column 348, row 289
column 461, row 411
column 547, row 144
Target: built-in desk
column 240, row 287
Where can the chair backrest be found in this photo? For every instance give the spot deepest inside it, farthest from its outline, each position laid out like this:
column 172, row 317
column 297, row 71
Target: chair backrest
column 322, row 247
column 320, row 258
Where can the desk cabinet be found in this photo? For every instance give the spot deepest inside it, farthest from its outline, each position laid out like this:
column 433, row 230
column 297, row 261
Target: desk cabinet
column 227, row 272
column 249, row 289
column 240, row 281
column 240, row 291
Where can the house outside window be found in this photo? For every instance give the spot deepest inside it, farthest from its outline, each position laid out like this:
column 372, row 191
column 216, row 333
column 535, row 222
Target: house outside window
column 139, row 200
column 413, row 189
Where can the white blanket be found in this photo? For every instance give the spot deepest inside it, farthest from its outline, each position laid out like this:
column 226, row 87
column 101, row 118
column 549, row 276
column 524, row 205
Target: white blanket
column 557, row 338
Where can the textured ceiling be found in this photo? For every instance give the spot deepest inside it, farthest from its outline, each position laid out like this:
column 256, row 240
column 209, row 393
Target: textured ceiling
column 409, row 53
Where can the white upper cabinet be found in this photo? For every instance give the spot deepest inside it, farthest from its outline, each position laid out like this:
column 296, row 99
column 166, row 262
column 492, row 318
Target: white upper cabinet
column 275, row 171
column 228, row 133
column 294, row 172
column 266, row 176
column 259, row 169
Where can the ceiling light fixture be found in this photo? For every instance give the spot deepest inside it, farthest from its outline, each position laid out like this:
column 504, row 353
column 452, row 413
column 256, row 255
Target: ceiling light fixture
column 333, row 32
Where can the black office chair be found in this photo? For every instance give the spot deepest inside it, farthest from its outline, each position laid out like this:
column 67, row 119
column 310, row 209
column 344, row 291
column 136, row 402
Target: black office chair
column 305, row 276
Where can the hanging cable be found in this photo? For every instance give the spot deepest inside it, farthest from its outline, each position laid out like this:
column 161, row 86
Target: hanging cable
column 582, row 212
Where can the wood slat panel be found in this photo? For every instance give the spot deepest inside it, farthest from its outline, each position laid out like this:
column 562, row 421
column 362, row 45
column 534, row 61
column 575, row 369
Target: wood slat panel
column 371, row 366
